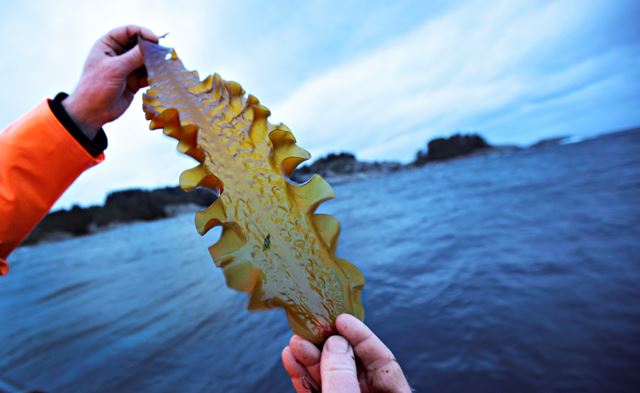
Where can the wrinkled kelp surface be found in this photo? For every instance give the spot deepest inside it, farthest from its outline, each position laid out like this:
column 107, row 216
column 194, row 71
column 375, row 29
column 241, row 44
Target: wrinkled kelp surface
column 273, row 245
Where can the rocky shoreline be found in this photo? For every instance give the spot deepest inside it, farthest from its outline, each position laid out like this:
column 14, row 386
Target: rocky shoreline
column 120, row 207
column 127, row 206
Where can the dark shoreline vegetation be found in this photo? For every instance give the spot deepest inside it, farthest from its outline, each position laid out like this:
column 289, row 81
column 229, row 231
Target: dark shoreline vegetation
column 146, row 205
column 120, row 207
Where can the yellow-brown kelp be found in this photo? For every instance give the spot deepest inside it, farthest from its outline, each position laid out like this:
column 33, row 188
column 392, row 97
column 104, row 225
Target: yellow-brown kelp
column 273, row 245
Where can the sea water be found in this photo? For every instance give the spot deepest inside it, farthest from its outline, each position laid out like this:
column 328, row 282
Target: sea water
column 511, row 271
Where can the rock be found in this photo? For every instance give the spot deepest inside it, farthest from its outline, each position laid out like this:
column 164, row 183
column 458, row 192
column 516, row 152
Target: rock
column 556, row 140
column 454, row 146
column 332, row 163
column 342, row 167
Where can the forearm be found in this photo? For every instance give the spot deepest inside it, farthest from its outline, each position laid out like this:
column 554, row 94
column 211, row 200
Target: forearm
column 44, row 151
column 39, row 159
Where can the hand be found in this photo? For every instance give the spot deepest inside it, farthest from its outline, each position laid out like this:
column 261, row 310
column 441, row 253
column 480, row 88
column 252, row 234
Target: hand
column 334, row 369
column 109, row 79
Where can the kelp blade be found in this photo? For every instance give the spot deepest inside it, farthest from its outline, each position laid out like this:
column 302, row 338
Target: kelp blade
column 273, row 244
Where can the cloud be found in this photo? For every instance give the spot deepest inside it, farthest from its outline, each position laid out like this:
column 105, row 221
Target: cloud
column 456, row 71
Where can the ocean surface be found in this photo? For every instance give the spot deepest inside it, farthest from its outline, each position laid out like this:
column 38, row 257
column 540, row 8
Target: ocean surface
column 504, row 272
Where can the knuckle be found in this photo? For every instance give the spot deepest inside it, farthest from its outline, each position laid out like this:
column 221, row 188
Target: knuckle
column 341, row 367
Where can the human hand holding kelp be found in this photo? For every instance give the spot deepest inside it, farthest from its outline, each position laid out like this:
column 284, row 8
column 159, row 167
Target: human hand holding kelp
column 109, row 79
column 336, row 369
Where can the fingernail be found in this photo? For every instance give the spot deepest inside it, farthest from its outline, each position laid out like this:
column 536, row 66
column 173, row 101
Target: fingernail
column 337, row 344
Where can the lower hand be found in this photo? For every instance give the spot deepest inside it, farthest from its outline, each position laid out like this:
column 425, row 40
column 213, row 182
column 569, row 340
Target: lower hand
column 336, row 369
column 109, row 81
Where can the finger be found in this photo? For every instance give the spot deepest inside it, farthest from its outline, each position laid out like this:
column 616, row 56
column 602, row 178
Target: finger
column 130, row 61
column 148, row 34
column 338, row 367
column 119, row 37
column 370, row 350
column 384, row 372
column 306, row 354
column 133, row 83
column 362, row 380
column 300, row 379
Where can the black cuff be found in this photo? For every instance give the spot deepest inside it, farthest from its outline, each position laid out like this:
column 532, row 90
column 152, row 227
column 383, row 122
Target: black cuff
column 94, row 147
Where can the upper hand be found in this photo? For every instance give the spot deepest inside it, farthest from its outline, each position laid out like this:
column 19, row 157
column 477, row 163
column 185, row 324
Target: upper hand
column 334, row 369
column 108, row 81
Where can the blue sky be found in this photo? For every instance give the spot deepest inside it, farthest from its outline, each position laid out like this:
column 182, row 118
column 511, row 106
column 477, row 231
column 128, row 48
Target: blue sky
column 375, row 78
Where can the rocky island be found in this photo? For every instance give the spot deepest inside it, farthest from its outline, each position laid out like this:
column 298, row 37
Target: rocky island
column 455, row 146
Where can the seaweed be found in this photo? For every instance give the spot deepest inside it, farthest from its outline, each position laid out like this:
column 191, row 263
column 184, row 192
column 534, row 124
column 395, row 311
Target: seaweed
column 273, row 245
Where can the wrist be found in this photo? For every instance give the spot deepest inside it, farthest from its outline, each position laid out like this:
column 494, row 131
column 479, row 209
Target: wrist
column 81, row 115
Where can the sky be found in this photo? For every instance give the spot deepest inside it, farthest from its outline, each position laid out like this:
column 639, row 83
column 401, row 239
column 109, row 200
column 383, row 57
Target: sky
column 376, row 78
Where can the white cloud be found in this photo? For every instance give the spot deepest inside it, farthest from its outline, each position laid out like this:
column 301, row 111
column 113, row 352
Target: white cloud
column 471, row 62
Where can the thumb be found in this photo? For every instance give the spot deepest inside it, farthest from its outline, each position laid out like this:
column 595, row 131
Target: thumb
column 130, row 60
column 338, row 367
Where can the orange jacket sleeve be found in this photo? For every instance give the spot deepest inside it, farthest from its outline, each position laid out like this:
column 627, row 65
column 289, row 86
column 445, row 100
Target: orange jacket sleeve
column 39, row 159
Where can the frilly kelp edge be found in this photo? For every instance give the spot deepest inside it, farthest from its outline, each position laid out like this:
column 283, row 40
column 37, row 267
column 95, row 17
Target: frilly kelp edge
column 273, row 244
